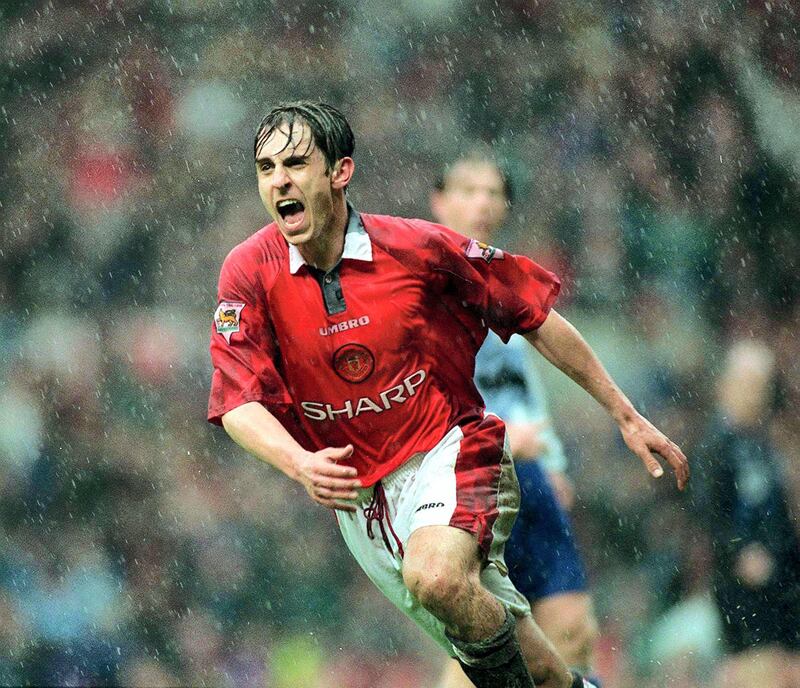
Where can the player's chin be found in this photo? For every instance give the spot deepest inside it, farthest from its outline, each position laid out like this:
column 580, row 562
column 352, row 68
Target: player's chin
column 295, row 235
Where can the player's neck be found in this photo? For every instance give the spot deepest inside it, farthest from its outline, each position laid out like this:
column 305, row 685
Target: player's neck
column 326, row 251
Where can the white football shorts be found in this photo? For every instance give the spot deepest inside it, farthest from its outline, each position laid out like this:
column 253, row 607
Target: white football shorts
column 438, row 488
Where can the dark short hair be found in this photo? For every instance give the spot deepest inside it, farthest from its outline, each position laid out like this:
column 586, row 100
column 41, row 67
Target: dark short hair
column 482, row 155
column 330, row 131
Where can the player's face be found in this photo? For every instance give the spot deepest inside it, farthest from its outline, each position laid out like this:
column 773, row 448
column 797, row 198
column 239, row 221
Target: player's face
column 294, row 184
column 473, row 201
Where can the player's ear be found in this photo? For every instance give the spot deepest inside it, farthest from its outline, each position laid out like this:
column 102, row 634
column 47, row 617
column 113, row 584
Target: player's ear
column 342, row 173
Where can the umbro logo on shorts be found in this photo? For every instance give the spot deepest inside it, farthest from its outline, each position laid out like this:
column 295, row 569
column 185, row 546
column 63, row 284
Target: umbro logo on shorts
column 431, row 505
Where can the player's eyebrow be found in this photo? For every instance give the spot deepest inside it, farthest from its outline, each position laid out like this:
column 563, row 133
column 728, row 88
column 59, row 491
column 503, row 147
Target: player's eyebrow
column 294, row 157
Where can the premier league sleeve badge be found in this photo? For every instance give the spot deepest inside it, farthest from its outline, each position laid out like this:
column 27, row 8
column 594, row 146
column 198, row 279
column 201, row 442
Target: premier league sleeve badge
column 227, row 318
column 479, row 249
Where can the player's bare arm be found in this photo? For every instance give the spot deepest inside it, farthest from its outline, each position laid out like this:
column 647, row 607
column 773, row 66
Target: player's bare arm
column 257, row 431
column 561, row 344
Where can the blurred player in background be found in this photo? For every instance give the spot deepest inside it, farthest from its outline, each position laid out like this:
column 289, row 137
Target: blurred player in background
column 473, row 196
column 756, row 553
column 343, row 348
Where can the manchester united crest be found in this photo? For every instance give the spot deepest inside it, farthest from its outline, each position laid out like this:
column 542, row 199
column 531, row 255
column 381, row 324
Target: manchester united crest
column 353, row 362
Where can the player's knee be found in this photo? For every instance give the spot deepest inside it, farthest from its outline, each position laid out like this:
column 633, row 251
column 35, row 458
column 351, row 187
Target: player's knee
column 435, row 585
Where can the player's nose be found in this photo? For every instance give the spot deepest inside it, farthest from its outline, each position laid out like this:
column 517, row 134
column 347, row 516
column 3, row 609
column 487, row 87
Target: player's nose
column 279, row 177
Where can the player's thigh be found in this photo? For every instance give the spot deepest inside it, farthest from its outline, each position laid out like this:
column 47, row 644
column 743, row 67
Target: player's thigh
column 434, row 551
column 568, row 619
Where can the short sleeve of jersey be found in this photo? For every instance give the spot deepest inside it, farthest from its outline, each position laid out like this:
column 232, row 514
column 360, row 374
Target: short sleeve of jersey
column 512, row 293
column 243, row 353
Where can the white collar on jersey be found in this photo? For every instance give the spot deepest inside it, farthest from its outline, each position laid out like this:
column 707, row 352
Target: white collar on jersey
column 357, row 245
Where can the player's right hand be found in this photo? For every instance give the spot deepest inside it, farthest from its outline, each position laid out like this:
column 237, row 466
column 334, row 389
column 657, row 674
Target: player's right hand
column 329, row 483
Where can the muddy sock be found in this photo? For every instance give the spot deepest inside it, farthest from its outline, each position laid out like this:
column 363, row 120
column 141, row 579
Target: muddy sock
column 495, row 662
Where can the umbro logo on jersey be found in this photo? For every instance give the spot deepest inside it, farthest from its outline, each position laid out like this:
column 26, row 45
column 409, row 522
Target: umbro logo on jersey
column 431, row 505
column 344, row 325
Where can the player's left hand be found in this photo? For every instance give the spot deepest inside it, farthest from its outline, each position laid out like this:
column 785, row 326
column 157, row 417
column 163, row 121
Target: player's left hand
column 645, row 440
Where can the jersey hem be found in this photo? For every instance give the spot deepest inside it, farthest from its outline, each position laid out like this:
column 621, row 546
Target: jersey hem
column 384, row 469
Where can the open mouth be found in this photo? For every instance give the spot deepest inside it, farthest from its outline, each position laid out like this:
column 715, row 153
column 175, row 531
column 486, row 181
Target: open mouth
column 291, row 211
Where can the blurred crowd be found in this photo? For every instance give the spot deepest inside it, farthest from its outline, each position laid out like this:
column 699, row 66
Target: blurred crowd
column 655, row 157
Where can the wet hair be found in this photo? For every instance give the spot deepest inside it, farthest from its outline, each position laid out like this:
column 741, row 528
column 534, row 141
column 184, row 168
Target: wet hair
column 480, row 155
column 330, row 131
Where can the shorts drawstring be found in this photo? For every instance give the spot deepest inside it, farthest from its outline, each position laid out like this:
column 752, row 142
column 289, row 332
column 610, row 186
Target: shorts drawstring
column 378, row 510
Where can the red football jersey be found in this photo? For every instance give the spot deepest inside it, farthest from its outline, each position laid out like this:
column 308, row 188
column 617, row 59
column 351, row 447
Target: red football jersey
column 393, row 371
